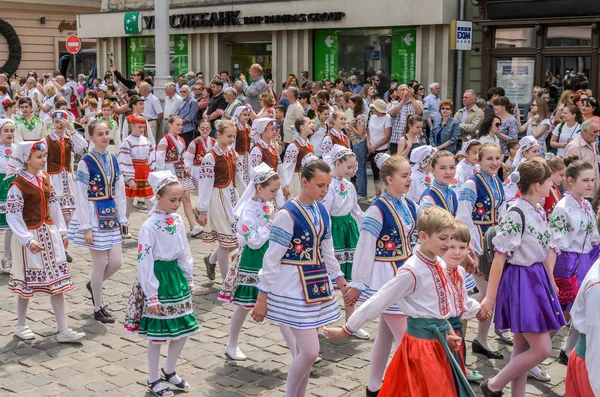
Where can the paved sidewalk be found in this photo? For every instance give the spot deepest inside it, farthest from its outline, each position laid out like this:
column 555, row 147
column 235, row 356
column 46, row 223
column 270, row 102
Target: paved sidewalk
column 111, row 362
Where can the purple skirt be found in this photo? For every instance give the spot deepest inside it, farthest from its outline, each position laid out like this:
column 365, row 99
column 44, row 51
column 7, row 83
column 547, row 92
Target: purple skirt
column 526, row 300
column 566, row 263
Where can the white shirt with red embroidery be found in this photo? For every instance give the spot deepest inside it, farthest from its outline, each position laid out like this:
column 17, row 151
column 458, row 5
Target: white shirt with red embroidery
column 135, row 147
column 467, row 307
column 421, row 181
column 341, row 199
column 464, row 171
column 254, row 225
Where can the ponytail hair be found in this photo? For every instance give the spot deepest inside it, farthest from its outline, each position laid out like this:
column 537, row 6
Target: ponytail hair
column 411, row 120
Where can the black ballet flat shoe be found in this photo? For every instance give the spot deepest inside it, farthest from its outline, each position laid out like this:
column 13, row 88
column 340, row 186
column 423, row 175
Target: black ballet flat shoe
column 478, row 349
column 69, row 259
column 487, row 392
column 372, row 393
column 183, row 385
column 89, row 288
column 103, row 316
column 563, row 358
column 166, row 392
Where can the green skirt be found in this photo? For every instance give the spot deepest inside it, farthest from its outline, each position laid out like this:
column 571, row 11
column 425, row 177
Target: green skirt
column 4, row 185
column 176, row 319
column 344, row 232
column 240, row 284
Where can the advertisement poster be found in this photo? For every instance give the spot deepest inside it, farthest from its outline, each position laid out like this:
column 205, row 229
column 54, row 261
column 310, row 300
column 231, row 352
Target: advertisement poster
column 516, row 77
column 404, row 54
column 326, row 54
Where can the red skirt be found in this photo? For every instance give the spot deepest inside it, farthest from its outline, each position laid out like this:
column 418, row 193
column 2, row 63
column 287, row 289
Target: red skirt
column 142, row 187
column 419, row 368
column 577, row 382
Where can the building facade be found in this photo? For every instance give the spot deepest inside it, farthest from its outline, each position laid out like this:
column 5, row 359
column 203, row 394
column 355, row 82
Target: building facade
column 42, row 27
column 327, row 39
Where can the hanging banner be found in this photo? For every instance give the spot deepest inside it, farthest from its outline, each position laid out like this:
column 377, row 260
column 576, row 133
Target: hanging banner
column 135, row 54
column 404, row 54
column 326, row 54
column 180, row 59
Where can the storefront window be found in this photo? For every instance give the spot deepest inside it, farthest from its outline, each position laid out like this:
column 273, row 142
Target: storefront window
column 141, row 55
column 516, row 76
column 567, row 73
column 569, row 36
column 387, row 53
column 515, row 38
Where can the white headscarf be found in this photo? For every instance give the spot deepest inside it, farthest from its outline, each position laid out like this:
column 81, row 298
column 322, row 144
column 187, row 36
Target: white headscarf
column 309, row 159
column 381, row 158
column 4, row 121
column 258, row 127
column 261, row 174
column 526, row 143
column 236, row 115
column 336, row 153
column 18, row 161
column 157, row 181
column 421, row 156
column 467, row 145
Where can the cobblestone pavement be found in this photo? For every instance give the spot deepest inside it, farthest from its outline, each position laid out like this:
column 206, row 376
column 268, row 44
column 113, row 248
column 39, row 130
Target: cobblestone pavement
column 111, row 362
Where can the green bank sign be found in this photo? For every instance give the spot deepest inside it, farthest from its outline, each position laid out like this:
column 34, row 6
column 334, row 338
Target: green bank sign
column 348, row 49
column 141, row 54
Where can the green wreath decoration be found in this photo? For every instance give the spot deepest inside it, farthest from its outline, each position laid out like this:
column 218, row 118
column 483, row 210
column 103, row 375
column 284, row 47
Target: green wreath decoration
column 14, row 48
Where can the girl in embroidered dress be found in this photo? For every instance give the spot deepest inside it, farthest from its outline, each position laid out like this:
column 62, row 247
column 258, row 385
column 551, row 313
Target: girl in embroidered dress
column 170, row 157
column 265, row 151
column 107, row 114
column 242, row 147
column 420, row 159
column 468, row 166
column 160, row 305
column 295, row 279
column 198, row 148
column 99, row 214
column 217, row 175
column 40, row 228
column 480, row 205
column 254, row 210
column 342, row 204
column 573, row 234
column 136, row 160
column 559, row 172
column 387, row 234
column 522, row 290
column 529, row 149
column 336, row 135
column 291, row 168
column 7, row 149
column 584, row 363
column 423, row 364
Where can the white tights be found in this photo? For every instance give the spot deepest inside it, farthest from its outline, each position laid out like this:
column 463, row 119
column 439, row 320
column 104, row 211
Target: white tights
column 483, row 328
column 237, row 321
column 58, row 306
column 175, row 348
column 221, row 256
column 130, row 206
column 391, row 327
column 304, row 346
column 7, row 238
column 105, row 264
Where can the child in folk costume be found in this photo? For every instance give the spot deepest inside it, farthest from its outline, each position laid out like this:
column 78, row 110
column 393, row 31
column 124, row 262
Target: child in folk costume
column 480, row 204
column 108, row 111
column 387, row 235
column 341, row 202
column 529, row 149
column 160, row 305
column 7, row 150
column 28, row 127
column 468, row 166
column 584, row 365
column 320, row 128
column 424, row 364
column 421, row 171
column 100, row 213
column 254, row 210
column 170, row 157
column 573, row 234
column 522, row 289
column 291, row 168
column 336, row 135
column 217, row 175
column 242, row 146
column 39, row 239
column 136, row 160
column 265, row 151
column 559, row 172
column 295, row 279
column 136, row 104
column 198, row 148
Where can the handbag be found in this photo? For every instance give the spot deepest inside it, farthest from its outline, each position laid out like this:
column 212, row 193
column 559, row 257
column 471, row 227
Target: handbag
column 568, row 286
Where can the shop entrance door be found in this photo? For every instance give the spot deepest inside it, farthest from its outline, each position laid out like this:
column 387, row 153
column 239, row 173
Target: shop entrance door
column 246, row 54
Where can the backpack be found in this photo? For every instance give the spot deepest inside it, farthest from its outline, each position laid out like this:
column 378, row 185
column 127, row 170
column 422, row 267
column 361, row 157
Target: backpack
column 487, row 252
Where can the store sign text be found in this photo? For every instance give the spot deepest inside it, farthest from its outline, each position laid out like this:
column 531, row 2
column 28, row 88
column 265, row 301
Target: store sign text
column 232, row 18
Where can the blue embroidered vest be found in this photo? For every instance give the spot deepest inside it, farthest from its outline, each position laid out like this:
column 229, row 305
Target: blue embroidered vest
column 101, row 190
column 440, row 200
column 305, row 251
column 392, row 246
column 485, row 210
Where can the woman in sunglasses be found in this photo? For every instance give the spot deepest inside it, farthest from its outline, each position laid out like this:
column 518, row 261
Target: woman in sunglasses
column 489, row 130
column 589, row 109
column 538, row 125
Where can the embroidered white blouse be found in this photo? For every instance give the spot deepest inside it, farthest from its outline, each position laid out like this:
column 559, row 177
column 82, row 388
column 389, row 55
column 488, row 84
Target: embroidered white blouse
column 419, row 289
column 421, row 180
column 190, row 153
column 327, row 144
column 571, row 223
column 254, row 225
column 6, row 152
column 464, row 170
column 206, row 179
column 341, row 199
column 162, row 238
column 467, row 307
column 256, row 155
column 533, row 245
column 135, row 148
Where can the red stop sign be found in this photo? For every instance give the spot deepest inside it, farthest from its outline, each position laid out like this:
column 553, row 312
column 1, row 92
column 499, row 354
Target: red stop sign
column 73, row 44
